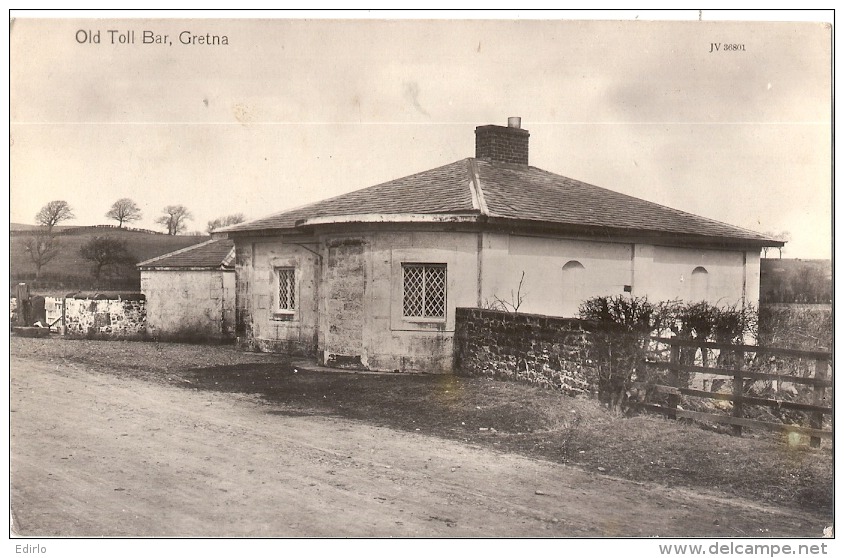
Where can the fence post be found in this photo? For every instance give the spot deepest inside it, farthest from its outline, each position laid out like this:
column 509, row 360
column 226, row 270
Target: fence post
column 24, row 318
column 674, row 380
column 816, row 419
column 738, row 391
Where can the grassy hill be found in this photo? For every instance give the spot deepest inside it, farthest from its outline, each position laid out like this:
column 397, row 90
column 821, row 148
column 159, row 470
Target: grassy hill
column 68, row 271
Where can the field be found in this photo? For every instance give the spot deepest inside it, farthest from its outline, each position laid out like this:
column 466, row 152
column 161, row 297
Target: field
column 795, row 281
column 69, row 271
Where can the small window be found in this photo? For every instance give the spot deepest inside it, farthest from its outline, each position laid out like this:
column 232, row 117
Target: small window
column 286, row 289
column 573, row 287
column 573, row 268
column 700, row 284
column 424, row 290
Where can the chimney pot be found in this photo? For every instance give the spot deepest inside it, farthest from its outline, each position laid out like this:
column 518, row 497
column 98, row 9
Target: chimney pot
column 514, row 122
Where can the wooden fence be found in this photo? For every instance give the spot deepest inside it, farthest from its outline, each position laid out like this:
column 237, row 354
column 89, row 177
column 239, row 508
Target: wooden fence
column 739, row 372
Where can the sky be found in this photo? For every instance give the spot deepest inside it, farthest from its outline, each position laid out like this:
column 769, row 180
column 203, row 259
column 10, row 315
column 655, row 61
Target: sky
column 294, row 111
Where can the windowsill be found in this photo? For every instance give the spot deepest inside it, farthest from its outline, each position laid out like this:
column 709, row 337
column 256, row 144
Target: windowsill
column 415, row 320
column 283, row 316
column 421, row 325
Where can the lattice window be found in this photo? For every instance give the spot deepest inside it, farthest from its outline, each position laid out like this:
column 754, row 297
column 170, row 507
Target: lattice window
column 424, row 290
column 286, row 288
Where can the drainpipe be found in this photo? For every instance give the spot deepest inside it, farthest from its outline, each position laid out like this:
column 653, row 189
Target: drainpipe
column 743, row 280
column 480, row 268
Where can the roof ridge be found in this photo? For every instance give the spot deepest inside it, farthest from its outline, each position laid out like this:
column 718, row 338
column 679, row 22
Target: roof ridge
column 475, row 187
column 230, row 258
column 179, row 251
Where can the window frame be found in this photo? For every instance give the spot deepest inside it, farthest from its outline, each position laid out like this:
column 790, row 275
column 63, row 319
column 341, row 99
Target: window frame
column 289, row 311
column 425, row 266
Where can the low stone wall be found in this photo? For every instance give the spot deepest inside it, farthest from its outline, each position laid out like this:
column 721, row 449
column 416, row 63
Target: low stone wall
column 541, row 350
column 107, row 318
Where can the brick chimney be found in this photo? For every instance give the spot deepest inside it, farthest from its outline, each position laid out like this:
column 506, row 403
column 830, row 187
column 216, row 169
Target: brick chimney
column 503, row 144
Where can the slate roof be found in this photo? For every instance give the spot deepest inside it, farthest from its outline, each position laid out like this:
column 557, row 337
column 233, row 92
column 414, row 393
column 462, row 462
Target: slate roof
column 212, row 254
column 501, row 193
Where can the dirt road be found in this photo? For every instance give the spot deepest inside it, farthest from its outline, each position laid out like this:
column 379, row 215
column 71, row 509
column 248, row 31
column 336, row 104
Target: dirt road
column 98, row 455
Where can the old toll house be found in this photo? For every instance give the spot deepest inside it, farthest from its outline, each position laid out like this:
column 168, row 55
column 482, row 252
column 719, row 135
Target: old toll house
column 372, row 278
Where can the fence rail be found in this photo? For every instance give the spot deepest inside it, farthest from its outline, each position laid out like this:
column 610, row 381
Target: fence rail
column 819, row 383
column 746, row 373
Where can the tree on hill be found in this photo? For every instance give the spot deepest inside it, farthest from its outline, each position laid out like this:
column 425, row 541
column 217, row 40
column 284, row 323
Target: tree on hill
column 42, row 246
column 174, row 219
column 54, row 213
column 105, row 251
column 221, row 222
column 124, row 210
column 784, row 236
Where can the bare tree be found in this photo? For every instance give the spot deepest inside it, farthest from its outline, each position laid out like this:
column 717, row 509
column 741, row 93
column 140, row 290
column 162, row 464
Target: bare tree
column 516, row 299
column 174, row 219
column 42, row 246
column 784, row 236
column 54, row 213
column 124, row 210
column 221, row 222
column 104, row 251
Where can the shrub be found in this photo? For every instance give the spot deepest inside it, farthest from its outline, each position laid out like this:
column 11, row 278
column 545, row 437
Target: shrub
column 796, row 326
column 620, row 343
column 706, row 322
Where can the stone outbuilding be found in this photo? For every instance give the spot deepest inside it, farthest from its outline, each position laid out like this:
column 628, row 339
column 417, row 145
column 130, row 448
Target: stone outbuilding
column 372, row 278
column 190, row 293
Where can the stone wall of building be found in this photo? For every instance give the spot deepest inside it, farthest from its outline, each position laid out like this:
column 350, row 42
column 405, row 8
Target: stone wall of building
column 345, row 289
column 541, row 350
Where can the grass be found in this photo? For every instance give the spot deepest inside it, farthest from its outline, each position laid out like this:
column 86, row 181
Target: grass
column 503, row 416
column 68, row 270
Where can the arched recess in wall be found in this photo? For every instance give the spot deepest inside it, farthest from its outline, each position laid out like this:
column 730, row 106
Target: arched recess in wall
column 700, row 284
column 573, row 287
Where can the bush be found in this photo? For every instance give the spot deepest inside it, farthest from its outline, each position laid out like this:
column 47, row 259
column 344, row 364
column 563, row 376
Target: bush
column 705, row 322
column 621, row 343
column 795, row 326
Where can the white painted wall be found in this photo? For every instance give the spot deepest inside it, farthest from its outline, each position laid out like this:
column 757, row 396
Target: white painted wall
column 547, row 288
column 671, row 275
column 389, row 341
column 187, row 302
